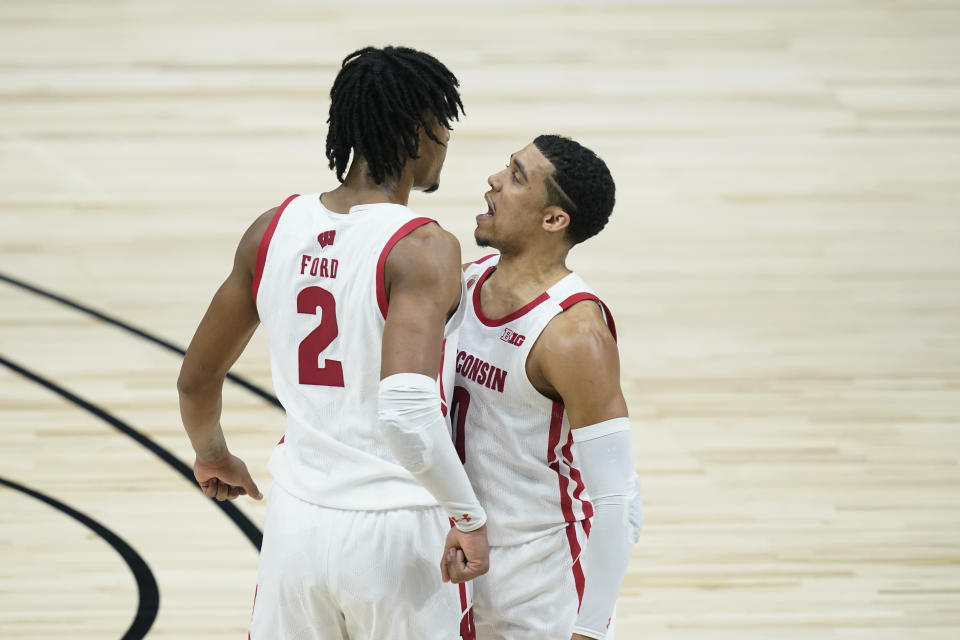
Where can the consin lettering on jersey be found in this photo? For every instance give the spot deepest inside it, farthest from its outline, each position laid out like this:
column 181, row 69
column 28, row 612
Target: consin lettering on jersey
column 320, row 267
column 480, row 371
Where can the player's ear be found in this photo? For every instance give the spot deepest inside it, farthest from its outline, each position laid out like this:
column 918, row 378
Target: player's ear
column 555, row 219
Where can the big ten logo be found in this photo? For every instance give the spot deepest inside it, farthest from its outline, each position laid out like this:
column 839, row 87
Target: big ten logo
column 326, row 238
column 511, row 337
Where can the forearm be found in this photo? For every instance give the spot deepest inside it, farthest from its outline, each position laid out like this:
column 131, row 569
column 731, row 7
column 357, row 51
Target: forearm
column 606, row 462
column 200, row 410
column 414, row 429
column 606, row 557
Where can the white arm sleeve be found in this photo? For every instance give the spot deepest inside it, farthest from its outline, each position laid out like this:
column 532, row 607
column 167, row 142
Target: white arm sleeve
column 606, row 462
column 636, row 509
column 412, row 425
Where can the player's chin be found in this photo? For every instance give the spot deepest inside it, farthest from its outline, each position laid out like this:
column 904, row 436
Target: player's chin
column 432, row 188
column 481, row 240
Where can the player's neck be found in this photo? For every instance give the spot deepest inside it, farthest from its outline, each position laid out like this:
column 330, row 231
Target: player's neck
column 358, row 188
column 530, row 272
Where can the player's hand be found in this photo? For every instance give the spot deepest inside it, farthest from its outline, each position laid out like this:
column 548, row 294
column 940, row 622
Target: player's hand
column 465, row 555
column 225, row 479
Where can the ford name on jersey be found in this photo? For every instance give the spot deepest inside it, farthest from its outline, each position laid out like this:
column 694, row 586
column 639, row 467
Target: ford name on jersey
column 480, row 371
column 321, row 267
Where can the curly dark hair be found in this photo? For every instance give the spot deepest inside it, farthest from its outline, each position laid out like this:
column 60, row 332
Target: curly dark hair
column 581, row 184
column 378, row 100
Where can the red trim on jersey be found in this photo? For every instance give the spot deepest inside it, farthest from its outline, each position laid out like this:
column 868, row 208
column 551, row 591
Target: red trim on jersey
column 382, row 261
column 556, row 427
column 575, row 556
column 490, row 322
column 567, row 453
column 578, row 297
column 443, row 396
column 485, row 258
column 264, row 245
column 282, row 438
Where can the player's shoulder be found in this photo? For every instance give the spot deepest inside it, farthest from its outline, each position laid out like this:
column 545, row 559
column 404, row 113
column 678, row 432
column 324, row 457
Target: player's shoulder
column 429, row 245
column 259, row 227
column 249, row 244
column 578, row 330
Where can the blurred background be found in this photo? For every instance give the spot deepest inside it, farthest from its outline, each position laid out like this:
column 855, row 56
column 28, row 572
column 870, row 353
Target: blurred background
column 783, row 264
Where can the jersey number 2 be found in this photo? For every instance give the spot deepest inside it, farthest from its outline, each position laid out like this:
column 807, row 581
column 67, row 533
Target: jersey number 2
column 331, row 373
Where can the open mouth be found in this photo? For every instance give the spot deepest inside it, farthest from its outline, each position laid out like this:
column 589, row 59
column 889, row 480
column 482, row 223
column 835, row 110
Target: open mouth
column 489, row 214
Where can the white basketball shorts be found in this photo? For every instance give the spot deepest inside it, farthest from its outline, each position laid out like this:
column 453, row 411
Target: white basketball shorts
column 331, row 574
column 533, row 590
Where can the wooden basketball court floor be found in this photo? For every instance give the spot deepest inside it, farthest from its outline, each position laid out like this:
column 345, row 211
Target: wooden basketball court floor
column 783, row 263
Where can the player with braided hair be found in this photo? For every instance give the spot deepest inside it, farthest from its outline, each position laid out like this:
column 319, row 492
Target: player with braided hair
column 379, row 102
column 358, row 295
column 539, row 418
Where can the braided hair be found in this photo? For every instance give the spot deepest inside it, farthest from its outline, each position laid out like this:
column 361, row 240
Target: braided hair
column 378, row 100
column 581, row 185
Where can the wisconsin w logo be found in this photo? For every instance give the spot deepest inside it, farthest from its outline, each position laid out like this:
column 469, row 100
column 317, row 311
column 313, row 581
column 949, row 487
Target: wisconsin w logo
column 326, row 238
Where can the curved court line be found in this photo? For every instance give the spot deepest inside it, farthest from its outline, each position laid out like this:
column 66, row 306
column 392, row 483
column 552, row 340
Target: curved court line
column 99, row 315
column 147, row 590
column 248, row 528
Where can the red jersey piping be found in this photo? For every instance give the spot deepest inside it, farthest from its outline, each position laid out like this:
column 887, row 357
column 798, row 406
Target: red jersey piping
column 265, row 245
column 578, row 297
column 566, row 504
column 498, row 322
column 382, row 261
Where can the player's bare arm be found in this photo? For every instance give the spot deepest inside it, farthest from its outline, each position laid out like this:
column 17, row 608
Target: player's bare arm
column 423, row 289
column 223, row 333
column 576, row 359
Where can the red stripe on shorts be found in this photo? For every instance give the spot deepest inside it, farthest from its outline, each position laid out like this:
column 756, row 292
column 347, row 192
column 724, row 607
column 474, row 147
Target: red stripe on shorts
column 577, row 567
column 467, row 631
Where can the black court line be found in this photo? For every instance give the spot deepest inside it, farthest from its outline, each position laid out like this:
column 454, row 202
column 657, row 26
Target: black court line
column 149, row 595
column 248, row 528
column 99, row 315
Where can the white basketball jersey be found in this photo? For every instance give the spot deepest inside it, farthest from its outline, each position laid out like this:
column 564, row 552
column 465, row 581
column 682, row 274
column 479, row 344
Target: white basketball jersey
column 515, row 443
column 320, row 293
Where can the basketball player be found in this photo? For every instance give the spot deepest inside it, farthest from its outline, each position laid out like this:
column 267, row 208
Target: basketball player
column 357, row 294
column 540, row 420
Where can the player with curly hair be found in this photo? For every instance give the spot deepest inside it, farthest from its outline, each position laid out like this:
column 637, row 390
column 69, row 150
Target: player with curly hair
column 539, row 418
